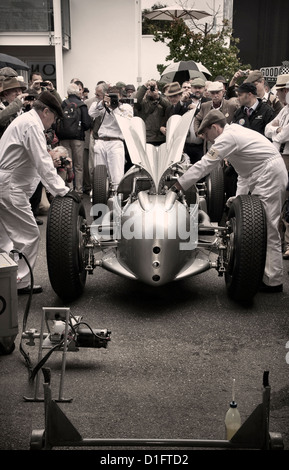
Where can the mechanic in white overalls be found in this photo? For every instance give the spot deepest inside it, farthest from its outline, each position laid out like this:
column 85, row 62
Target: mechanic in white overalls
column 261, row 170
column 24, row 160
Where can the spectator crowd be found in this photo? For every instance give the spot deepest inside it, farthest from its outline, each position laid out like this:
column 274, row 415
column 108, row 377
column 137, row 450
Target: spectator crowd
column 85, row 131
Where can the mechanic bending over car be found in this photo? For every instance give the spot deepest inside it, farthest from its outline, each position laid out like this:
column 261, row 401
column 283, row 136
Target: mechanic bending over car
column 24, row 160
column 261, row 171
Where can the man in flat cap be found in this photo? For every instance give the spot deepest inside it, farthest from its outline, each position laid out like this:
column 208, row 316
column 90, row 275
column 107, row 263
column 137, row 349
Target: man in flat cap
column 227, row 107
column 256, row 78
column 261, row 171
column 24, row 160
column 253, row 112
column 194, row 144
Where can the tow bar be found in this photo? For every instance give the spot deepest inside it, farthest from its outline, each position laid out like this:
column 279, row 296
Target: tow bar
column 60, row 432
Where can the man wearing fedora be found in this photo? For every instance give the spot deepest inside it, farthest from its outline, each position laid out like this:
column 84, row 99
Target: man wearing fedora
column 12, row 96
column 24, row 160
column 278, row 131
column 175, row 94
column 261, row 171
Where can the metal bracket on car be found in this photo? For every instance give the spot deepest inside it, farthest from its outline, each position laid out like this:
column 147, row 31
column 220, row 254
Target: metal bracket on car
column 253, row 434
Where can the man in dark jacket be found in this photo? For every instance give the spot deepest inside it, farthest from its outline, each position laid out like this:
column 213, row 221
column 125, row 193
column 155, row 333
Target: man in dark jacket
column 174, row 94
column 194, row 146
column 256, row 77
column 253, row 113
column 75, row 142
column 151, row 106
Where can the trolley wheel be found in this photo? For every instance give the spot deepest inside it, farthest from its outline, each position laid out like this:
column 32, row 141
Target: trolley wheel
column 37, row 439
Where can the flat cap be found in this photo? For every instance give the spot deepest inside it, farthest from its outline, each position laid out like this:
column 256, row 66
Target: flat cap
column 220, row 78
column 51, row 102
column 253, row 76
column 247, row 88
column 213, row 117
column 130, row 87
column 198, row 82
column 215, row 86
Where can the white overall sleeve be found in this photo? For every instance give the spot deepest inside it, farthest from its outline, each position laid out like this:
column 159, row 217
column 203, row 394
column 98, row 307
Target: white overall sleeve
column 35, row 145
column 223, row 147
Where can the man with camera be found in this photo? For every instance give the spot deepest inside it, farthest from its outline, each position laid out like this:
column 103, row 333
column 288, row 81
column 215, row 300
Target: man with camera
column 63, row 163
column 109, row 146
column 151, row 106
column 39, row 85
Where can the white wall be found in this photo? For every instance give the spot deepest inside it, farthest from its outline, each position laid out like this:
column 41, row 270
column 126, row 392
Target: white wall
column 104, row 44
column 153, row 53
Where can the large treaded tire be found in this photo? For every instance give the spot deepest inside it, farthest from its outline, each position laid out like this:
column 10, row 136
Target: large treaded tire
column 215, row 194
column 100, row 185
column 246, row 252
column 64, row 248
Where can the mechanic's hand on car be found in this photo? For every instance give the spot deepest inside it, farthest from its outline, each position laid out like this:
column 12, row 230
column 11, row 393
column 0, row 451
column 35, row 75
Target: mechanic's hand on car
column 176, row 188
column 73, row 194
column 230, row 201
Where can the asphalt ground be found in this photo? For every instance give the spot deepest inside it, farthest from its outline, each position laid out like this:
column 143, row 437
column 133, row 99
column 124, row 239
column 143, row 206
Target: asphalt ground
column 168, row 370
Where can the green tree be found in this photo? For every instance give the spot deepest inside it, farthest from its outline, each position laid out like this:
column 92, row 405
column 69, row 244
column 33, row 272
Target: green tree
column 217, row 51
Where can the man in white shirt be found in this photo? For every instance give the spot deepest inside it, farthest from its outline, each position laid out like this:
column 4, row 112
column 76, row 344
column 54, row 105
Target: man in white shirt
column 109, row 146
column 24, row 160
column 278, row 131
column 261, row 171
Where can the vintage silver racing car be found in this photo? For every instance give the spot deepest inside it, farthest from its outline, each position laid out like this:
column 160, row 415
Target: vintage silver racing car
column 146, row 232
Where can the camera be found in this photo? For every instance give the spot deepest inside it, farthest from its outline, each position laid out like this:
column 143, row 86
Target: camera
column 243, row 72
column 113, row 100
column 64, row 162
column 127, row 100
column 30, row 98
column 44, row 83
column 152, row 88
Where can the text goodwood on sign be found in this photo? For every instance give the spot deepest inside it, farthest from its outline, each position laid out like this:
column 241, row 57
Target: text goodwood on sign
column 271, row 73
